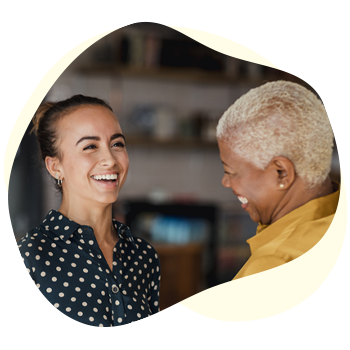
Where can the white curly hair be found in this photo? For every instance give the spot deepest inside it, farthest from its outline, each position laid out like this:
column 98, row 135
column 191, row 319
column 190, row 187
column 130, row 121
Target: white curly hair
column 281, row 118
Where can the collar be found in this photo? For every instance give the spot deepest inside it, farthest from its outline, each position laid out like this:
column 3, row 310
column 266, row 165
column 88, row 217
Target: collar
column 64, row 228
column 310, row 211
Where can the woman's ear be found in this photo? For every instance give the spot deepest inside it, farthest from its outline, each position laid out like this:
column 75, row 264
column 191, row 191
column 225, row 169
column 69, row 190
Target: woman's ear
column 284, row 172
column 53, row 167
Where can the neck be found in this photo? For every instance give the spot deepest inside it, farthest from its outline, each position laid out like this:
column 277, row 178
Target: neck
column 97, row 217
column 299, row 194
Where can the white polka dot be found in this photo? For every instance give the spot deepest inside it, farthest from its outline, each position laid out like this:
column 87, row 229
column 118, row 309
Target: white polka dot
column 77, row 256
column 84, row 303
column 85, row 270
column 80, row 313
column 129, row 307
column 61, row 295
column 50, row 253
column 99, row 301
column 73, row 299
column 64, row 250
column 56, row 227
column 91, row 242
column 117, row 302
column 69, row 274
column 60, row 217
column 47, row 263
column 156, row 303
column 68, row 309
column 40, row 248
column 53, row 245
column 89, row 262
column 80, row 230
column 73, row 264
column 26, row 253
column 139, row 315
column 95, row 309
column 61, row 259
column 54, row 279
column 120, row 320
column 37, row 257
column 97, row 277
column 49, row 290
column 89, row 295
column 81, row 279
column 58, row 268
column 65, row 284
column 93, row 285
column 66, row 228
column 42, row 274
column 56, row 305
column 91, row 319
column 77, row 289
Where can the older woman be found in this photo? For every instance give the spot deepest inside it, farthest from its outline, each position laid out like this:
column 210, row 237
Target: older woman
column 276, row 148
column 85, row 263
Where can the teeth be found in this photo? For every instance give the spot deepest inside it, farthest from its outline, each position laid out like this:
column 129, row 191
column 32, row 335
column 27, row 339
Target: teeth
column 105, row 177
column 243, row 199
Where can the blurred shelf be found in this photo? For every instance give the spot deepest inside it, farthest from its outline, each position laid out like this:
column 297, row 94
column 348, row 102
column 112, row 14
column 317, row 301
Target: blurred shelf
column 151, row 141
column 170, row 73
column 191, row 75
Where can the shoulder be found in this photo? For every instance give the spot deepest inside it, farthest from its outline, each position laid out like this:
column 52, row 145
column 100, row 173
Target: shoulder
column 147, row 250
column 30, row 239
column 142, row 244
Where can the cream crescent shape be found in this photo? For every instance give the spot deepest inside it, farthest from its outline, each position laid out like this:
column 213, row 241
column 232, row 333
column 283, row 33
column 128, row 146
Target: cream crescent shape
column 36, row 98
column 224, row 45
column 281, row 288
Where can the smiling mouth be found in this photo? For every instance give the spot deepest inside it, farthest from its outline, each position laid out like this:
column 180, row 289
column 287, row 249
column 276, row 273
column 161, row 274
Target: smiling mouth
column 108, row 177
column 243, row 200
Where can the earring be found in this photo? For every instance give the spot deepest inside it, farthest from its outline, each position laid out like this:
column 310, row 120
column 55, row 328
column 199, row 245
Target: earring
column 59, row 181
column 281, row 185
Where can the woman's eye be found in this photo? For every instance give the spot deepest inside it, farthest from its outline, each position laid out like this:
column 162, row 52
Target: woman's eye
column 119, row 144
column 89, row 147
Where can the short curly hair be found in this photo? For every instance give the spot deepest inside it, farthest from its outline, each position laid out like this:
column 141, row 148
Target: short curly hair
column 281, row 118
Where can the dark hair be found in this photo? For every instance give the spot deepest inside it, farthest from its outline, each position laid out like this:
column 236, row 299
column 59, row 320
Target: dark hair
column 47, row 116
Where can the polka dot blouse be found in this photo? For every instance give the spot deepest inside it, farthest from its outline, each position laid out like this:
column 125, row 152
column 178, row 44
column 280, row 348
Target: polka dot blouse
column 68, row 267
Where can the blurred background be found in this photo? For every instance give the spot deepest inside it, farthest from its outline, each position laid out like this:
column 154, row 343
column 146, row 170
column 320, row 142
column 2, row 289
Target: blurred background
column 168, row 92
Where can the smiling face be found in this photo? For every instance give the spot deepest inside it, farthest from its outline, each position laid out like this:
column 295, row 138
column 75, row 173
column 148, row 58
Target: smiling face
column 94, row 162
column 254, row 187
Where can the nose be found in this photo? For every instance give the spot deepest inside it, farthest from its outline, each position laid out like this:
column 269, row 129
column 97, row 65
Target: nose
column 108, row 159
column 226, row 181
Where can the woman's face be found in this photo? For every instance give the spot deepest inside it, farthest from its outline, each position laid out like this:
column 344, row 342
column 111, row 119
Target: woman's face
column 254, row 187
column 94, row 162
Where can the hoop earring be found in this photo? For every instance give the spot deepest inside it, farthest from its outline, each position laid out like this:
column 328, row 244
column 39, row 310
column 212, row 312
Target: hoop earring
column 59, row 181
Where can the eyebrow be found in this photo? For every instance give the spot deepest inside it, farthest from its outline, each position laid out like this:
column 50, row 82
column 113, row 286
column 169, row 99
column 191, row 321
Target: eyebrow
column 96, row 138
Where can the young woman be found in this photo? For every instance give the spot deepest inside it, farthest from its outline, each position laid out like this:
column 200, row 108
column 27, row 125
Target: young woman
column 85, row 263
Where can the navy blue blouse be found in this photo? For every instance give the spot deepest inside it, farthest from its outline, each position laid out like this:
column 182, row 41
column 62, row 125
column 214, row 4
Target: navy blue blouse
column 68, row 267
